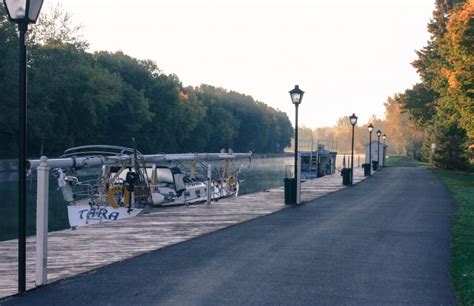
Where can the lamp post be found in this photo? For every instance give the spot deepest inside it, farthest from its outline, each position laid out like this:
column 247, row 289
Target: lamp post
column 22, row 12
column 378, row 148
column 353, row 120
column 370, row 127
column 296, row 95
column 384, row 137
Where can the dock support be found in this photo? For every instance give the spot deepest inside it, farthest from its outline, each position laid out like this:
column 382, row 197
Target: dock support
column 209, row 185
column 42, row 199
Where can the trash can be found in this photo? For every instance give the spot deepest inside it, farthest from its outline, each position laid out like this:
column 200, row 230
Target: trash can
column 375, row 165
column 366, row 169
column 290, row 191
column 346, row 176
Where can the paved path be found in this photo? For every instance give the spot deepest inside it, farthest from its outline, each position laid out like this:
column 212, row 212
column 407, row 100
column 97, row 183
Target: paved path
column 384, row 241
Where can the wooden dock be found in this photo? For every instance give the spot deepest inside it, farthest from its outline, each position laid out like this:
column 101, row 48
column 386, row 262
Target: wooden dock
column 73, row 252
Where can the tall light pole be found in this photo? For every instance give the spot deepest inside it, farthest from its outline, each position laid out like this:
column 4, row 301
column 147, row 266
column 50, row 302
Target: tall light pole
column 370, row 127
column 353, row 120
column 383, row 160
column 22, row 12
column 296, row 95
column 378, row 147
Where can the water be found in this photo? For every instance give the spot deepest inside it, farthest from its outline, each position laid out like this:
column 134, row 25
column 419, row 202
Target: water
column 264, row 173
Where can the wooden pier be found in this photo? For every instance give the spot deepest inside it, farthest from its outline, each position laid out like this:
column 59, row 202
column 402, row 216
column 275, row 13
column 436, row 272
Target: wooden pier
column 73, row 252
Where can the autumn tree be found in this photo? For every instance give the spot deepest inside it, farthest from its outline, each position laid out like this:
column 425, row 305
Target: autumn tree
column 443, row 101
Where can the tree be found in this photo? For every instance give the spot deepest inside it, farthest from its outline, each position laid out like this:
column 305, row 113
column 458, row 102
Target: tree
column 443, row 102
column 70, row 98
column 405, row 138
column 450, row 140
column 78, row 98
column 8, row 86
column 56, row 27
column 460, row 64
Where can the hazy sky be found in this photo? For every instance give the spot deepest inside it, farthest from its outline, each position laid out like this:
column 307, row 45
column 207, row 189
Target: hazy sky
column 348, row 56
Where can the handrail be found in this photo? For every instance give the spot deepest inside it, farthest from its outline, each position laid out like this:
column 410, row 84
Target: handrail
column 92, row 157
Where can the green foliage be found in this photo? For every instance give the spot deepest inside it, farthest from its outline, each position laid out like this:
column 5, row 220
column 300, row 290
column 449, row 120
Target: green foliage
column 77, row 98
column 450, row 150
column 8, row 86
column 443, row 103
column 419, row 101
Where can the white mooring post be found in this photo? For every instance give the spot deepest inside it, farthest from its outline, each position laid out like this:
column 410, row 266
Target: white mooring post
column 42, row 198
column 209, row 175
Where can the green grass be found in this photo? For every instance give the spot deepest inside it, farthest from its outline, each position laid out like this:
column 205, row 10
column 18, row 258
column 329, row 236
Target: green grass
column 461, row 187
column 394, row 161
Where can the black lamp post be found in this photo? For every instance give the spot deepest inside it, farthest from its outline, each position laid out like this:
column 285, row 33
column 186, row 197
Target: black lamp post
column 378, row 147
column 383, row 160
column 370, row 127
column 22, row 12
column 353, row 120
column 296, row 95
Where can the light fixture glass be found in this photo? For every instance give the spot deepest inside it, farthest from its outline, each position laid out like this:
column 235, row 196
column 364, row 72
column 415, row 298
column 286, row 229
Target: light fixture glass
column 379, row 133
column 353, row 119
column 296, row 95
column 370, row 127
column 23, row 11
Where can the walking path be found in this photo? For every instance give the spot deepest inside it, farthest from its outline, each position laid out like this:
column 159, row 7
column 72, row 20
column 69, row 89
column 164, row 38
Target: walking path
column 72, row 252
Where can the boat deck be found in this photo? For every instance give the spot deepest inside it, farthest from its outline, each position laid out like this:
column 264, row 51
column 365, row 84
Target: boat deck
column 73, row 252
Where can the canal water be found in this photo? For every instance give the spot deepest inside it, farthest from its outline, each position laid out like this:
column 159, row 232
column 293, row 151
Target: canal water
column 262, row 173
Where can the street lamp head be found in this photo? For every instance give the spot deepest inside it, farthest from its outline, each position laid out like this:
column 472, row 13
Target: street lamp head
column 353, row 119
column 384, row 137
column 379, row 133
column 296, row 95
column 23, row 11
column 370, row 127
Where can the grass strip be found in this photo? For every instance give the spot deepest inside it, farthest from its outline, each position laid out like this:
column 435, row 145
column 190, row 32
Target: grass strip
column 461, row 187
column 394, row 161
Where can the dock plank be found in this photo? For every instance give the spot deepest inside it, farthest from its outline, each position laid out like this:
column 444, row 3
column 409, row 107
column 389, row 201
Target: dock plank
column 74, row 252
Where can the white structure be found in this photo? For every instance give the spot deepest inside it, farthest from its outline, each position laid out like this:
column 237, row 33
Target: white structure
column 376, row 155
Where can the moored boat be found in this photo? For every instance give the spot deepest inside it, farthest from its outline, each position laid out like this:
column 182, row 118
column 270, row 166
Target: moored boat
column 130, row 182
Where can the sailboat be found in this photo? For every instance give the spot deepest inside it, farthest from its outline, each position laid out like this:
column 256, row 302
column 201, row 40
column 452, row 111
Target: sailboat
column 130, row 182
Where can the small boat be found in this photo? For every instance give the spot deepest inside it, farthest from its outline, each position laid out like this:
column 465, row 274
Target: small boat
column 318, row 163
column 130, row 182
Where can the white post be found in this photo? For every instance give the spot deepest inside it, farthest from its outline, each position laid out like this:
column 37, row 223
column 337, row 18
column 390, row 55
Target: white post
column 209, row 185
column 298, row 181
column 42, row 199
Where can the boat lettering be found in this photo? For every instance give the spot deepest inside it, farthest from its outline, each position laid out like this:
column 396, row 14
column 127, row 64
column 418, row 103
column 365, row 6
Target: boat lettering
column 98, row 213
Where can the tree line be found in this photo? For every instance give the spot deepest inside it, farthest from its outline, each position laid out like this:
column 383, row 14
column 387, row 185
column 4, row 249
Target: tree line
column 78, row 98
column 403, row 137
column 442, row 104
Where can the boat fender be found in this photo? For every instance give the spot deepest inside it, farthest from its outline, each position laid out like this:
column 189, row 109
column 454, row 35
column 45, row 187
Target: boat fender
column 232, row 183
column 118, row 196
column 157, row 198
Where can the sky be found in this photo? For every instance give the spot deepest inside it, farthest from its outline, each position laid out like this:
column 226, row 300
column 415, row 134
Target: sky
column 347, row 55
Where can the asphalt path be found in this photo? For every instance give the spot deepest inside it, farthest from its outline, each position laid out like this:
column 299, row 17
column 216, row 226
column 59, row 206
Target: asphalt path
column 383, row 241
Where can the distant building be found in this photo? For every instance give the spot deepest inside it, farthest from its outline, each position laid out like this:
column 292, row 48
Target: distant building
column 376, row 155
